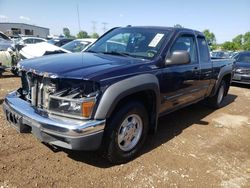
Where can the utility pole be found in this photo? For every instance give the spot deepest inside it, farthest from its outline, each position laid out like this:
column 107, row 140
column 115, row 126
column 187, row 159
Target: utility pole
column 79, row 25
column 104, row 26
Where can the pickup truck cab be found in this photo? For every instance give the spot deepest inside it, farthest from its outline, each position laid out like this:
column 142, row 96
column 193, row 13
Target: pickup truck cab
column 111, row 96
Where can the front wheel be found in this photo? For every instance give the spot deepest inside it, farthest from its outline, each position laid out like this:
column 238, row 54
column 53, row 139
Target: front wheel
column 126, row 132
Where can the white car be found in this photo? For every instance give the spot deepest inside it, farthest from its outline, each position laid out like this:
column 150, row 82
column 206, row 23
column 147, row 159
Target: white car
column 30, row 40
column 78, row 45
column 26, row 41
column 44, row 48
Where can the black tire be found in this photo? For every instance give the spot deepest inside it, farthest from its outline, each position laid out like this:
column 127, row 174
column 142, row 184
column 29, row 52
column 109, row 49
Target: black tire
column 1, row 72
column 217, row 100
column 115, row 151
column 14, row 71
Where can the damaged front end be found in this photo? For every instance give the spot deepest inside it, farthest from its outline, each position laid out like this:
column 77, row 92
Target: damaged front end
column 73, row 98
column 58, row 111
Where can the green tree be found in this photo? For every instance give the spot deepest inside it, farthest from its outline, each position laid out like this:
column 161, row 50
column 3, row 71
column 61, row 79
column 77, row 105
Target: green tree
column 230, row 46
column 210, row 37
column 214, row 47
column 178, row 26
column 246, row 41
column 238, row 40
column 82, row 35
column 66, row 32
column 95, row 35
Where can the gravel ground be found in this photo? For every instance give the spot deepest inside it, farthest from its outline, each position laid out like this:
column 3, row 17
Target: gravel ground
column 194, row 147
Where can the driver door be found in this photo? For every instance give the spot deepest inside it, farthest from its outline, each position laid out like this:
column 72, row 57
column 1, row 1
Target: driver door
column 180, row 83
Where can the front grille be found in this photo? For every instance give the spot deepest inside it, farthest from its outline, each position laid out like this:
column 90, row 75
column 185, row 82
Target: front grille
column 244, row 71
column 37, row 93
column 37, row 89
column 245, row 79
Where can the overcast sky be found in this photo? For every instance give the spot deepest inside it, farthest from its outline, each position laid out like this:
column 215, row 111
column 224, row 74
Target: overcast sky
column 226, row 18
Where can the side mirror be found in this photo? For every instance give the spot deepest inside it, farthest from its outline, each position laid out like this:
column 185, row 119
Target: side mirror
column 178, row 57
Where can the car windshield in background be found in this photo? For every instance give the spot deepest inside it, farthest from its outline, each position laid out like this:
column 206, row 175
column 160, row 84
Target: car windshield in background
column 135, row 42
column 220, row 54
column 59, row 42
column 53, row 41
column 5, row 42
column 243, row 58
column 4, row 37
column 75, row 46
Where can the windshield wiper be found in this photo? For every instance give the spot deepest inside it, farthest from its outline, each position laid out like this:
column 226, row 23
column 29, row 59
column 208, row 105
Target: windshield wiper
column 117, row 53
column 112, row 53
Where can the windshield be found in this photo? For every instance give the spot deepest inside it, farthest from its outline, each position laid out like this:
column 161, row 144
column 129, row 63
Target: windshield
column 53, row 41
column 135, row 42
column 76, row 45
column 219, row 54
column 243, row 58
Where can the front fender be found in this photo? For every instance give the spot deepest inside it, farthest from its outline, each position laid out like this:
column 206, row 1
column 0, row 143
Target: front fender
column 121, row 89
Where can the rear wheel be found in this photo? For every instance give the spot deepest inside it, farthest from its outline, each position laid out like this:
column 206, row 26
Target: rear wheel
column 126, row 132
column 216, row 101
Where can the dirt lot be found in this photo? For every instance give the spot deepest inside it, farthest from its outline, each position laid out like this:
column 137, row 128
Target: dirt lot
column 194, row 147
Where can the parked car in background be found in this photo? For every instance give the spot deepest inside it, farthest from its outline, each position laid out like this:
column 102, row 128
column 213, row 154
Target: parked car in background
column 5, row 42
column 31, row 40
column 219, row 54
column 234, row 54
column 242, row 68
column 230, row 54
column 44, row 48
column 41, row 49
column 27, row 40
column 9, row 55
column 78, row 45
column 59, row 41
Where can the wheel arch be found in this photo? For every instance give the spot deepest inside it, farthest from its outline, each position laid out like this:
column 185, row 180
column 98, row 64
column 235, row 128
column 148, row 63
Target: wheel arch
column 143, row 88
column 226, row 75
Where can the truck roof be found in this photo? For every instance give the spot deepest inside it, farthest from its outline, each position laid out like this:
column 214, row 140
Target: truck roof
column 169, row 29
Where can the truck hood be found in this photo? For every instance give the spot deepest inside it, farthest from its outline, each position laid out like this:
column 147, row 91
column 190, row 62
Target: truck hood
column 245, row 65
column 77, row 65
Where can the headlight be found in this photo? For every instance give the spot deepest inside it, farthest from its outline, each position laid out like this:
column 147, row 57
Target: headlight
column 72, row 107
column 238, row 70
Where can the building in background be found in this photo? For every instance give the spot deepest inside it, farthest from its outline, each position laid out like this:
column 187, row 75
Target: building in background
column 13, row 29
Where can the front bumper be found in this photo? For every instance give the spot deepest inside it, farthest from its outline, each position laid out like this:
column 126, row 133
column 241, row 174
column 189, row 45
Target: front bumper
column 241, row 78
column 55, row 130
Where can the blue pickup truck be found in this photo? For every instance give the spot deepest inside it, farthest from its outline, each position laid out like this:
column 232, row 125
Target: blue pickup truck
column 110, row 97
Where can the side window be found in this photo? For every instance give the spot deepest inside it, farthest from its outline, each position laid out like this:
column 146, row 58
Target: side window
column 244, row 58
column 62, row 42
column 186, row 43
column 38, row 40
column 28, row 41
column 203, row 49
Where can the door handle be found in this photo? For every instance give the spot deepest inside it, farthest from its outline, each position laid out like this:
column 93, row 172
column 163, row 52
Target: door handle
column 195, row 68
column 196, row 71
